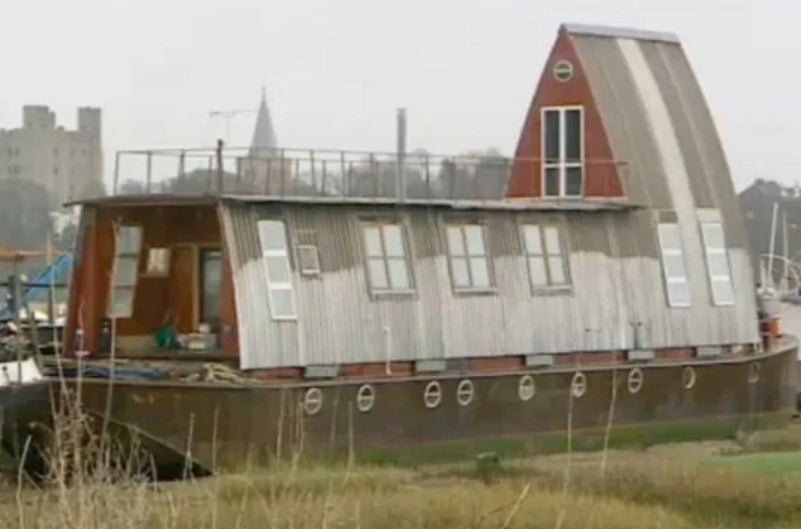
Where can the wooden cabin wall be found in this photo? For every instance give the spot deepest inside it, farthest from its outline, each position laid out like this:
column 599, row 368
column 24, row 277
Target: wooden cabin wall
column 182, row 229
column 616, row 285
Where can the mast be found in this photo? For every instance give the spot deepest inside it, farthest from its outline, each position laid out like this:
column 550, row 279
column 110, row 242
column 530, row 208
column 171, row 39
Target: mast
column 772, row 246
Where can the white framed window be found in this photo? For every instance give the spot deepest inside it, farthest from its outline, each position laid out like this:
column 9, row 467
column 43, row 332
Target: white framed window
column 385, row 252
column 275, row 255
column 562, row 151
column 717, row 263
column 158, row 262
column 673, row 269
column 467, row 254
column 127, row 245
column 547, row 266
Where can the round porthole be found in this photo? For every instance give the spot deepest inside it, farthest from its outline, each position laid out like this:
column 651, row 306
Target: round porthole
column 432, row 395
column 754, row 370
column 578, row 386
column 563, row 70
column 313, row 401
column 526, row 388
column 635, row 380
column 464, row 392
column 688, row 377
column 365, row 398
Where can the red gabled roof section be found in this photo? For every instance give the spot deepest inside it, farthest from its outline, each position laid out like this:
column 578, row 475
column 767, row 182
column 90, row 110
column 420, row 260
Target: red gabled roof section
column 601, row 172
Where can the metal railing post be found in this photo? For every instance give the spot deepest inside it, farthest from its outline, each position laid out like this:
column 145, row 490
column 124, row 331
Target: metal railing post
column 149, row 171
column 116, row 173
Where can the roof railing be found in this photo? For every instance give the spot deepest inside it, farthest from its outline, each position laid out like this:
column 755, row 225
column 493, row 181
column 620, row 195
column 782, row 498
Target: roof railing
column 289, row 172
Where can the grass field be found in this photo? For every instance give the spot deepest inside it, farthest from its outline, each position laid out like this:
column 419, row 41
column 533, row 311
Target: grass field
column 683, row 485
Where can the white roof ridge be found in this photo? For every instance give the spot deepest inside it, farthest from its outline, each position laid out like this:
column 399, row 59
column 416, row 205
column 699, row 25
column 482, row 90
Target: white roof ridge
column 620, row 32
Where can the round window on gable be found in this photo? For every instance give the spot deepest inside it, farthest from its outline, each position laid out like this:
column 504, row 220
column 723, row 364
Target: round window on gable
column 563, row 70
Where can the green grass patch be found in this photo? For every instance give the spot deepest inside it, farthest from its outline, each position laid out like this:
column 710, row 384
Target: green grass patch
column 771, row 463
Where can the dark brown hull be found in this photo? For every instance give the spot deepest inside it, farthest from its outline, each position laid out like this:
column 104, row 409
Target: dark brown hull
column 222, row 424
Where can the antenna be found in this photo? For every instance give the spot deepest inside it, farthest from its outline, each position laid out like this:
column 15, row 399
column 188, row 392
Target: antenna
column 228, row 115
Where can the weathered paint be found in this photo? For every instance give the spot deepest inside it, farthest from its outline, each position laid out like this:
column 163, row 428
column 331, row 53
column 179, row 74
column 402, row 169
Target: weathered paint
column 615, row 273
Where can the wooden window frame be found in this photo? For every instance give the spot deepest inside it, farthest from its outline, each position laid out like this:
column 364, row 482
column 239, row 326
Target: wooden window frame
column 676, row 252
column 113, row 285
column 561, row 164
column 546, row 256
column 721, row 251
column 381, row 224
column 462, row 224
column 273, row 286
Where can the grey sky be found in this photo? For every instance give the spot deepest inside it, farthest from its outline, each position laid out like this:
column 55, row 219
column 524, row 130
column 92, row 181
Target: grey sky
column 336, row 70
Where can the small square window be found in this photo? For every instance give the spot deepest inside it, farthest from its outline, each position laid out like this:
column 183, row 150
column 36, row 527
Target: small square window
column 308, row 260
column 158, row 262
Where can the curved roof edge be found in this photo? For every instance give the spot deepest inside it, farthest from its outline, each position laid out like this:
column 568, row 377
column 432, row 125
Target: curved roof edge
column 625, row 33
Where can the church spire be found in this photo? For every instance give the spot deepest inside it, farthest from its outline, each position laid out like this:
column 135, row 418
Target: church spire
column 263, row 134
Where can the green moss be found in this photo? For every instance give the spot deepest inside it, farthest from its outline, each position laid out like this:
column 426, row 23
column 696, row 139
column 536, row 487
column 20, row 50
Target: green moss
column 639, row 435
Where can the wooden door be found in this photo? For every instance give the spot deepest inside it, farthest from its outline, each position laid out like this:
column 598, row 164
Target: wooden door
column 183, row 287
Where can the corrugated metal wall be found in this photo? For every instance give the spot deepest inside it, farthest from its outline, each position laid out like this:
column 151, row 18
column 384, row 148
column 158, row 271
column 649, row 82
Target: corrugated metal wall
column 616, row 276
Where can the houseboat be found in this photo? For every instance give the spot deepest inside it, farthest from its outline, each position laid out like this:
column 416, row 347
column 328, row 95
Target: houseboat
column 608, row 288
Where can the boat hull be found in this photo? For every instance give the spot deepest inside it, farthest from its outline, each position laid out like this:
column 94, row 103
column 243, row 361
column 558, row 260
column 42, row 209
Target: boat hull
column 228, row 425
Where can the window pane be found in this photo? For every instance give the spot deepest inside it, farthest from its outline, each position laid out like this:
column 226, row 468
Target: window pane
column 455, row 242
column 556, row 267
column 211, row 275
column 674, row 265
column 713, row 235
column 378, row 273
column 282, row 303
column 459, row 271
column 475, row 239
column 398, row 275
column 552, row 240
column 572, row 135
column 669, row 236
column 277, row 269
column 122, row 303
column 372, row 240
column 272, row 235
column 722, row 292
column 125, row 274
column 531, row 237
column 718, row 265
column 573, row 181
column 129, row 239
column 679, row 294
column 478, row 266
column 552, row 182
column 536, row 266
column 551, row 131
column 393, row 240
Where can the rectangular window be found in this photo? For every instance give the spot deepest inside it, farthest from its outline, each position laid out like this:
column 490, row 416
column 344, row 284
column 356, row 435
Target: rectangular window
column 127, row 244
column 275, row 254
column 158, row 262
column 676, row 285
column 468, row 257
column 547, row 265
column 210, row 279
column 385, row 251
column 562, row 151
column 717, row 263
column 308, row 259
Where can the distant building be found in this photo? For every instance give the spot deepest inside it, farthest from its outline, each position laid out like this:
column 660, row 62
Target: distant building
column 67, row 163
column 757, row 204
column 262, row 168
